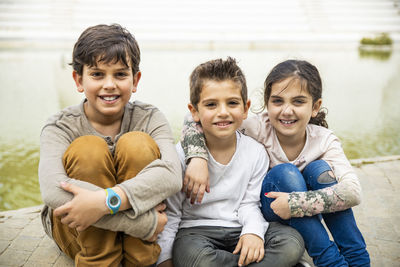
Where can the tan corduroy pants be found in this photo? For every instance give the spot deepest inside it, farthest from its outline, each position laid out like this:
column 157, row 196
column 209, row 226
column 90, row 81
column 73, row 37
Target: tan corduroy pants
column 89, row 159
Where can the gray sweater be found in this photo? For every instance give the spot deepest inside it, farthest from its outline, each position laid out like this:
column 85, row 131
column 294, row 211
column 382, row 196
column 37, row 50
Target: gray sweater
column 157, row 181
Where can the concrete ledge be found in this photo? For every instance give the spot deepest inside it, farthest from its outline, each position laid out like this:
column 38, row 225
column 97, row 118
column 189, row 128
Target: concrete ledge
column 359, row 162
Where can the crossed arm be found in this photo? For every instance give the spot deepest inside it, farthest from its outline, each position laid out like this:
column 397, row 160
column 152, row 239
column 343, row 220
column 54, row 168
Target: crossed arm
column 140, row 218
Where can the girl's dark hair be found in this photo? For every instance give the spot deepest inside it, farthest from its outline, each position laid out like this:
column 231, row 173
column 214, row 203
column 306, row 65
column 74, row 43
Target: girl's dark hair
column 309, row 78
column 105, row 43
column 216, row 70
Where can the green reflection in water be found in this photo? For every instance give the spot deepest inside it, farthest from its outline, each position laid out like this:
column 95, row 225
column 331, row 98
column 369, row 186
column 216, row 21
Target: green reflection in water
column 384, row 143
column 377, row 53
column 19, row 186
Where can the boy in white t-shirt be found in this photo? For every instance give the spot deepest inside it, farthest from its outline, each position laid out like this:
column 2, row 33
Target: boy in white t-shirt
column 227, row 228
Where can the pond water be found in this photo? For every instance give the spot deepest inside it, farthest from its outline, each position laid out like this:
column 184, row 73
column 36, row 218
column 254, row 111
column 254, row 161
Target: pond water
column 361, row 92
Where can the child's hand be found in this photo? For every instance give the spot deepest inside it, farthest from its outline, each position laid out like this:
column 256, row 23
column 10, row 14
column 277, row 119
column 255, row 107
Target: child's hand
column 251, row 249
column 196, row 180
column 86, row 208
column 280, row 205
column 161, row 222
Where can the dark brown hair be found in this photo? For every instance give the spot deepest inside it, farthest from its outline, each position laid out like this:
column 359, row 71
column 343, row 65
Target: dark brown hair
column 105, row 43
column 217, row 70
column 309, row 78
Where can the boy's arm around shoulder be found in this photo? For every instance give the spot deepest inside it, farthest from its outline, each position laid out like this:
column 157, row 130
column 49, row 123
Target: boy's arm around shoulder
column 249, row 212
column 162, row 177
column 192, row 139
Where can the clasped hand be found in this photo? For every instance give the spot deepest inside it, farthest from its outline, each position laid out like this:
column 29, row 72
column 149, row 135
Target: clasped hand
column 85, row 208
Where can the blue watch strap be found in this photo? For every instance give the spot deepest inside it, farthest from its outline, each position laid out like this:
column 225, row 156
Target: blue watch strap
column 113, row 200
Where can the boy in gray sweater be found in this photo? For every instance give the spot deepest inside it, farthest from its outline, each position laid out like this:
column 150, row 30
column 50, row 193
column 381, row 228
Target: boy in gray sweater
column 107, row 164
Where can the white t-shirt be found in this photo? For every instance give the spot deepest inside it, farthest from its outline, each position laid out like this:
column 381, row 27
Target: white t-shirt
column 234, row 198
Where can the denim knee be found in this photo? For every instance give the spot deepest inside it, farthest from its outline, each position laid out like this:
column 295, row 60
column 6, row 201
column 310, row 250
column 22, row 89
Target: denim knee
column 284, row 177
column 281, row 178
column 313, row 174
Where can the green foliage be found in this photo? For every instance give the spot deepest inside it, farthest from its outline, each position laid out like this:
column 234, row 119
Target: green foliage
column 380, row 39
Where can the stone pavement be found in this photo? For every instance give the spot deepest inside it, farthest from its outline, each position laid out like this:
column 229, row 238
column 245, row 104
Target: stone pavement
column 24, row 243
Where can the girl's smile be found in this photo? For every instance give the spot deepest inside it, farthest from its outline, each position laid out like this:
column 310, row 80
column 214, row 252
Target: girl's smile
column 286, row 122
column 290, row 108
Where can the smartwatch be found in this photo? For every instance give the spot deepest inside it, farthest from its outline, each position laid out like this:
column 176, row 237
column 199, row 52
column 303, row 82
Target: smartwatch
column 113, row 200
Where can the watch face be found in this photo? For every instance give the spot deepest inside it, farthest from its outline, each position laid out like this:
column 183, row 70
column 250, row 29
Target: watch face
column 114, row 201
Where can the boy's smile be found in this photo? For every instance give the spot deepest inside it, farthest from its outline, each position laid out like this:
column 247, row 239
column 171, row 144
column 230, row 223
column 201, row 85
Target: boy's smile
column 220, row 110
column 107, row 87
column 290, row 109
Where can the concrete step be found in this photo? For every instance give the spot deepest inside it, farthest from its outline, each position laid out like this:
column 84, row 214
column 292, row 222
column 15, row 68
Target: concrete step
column 209, row 20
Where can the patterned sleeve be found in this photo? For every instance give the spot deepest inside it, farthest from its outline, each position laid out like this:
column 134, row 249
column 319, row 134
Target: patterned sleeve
column 192, row 139
column 343, row 195
column 314, row 202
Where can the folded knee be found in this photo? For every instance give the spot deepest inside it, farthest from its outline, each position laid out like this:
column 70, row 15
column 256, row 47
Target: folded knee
column 138, row 143
column 318, row 174
column 291, row 247
column 284, row 177
column 189, row 256
column 86, row 150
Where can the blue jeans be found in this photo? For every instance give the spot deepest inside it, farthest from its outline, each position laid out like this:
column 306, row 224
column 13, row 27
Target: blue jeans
column 212, row 246
column 348, row 248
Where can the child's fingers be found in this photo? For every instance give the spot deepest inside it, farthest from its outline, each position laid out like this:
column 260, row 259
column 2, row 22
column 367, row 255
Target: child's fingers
column 161, row 207
column 272, row 194
column 161, row 222
column 189, row 189
column 62, row 210
column 81, row 228
column 238, row 247
column 70, row 187
column 67, row 220
column 195, row 190
column 73, row 224
column 249, row 257
column 184, row 183
column 243, row 254
column 201, row 192
column 261, row 255
column 256, row 254
column 208, row 187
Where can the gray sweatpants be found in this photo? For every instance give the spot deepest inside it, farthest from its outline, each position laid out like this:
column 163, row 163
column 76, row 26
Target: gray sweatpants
column 210, row 246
